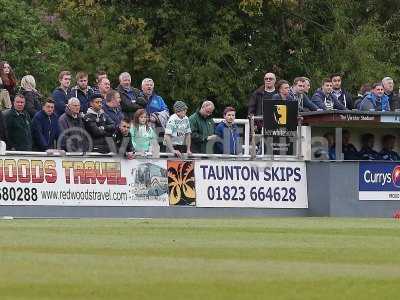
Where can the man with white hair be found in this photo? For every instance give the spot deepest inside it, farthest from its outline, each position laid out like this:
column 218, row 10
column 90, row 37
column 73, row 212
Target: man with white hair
column 202, row 126
column 156, row 107
column 266, row 91
column 394, row 99
column 131, row 99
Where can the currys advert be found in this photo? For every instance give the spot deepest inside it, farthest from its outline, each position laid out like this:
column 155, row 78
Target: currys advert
column 379, row 181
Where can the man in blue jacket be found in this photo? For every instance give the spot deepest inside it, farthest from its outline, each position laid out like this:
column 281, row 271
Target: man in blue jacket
column 82, row 91
column 156, row 107
column 61, row 94
column 45, row 128
column 112, row 107
column 228, row 134
column 324, row 98
column 376, row 100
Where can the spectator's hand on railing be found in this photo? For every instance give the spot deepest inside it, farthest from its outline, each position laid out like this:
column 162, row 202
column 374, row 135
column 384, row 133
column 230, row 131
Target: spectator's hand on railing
column 177, row 153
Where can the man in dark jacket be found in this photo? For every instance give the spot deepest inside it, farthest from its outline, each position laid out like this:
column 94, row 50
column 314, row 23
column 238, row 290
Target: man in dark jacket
column 3, row 129
column 112, row 107
column 45, row 128
column 266, row 91
column 297, row 93
column 202, row 127
column 73, row 136
column 228, row 134
column 132, row 99
column 18, row 125
column 341, row 95
column 123, row 139
column 61, row 94
column 387, row 152
column 82, row 90
column 349, row 150
column 394, row 98
column 98, row 125
column 324, row 99
column 367, row 152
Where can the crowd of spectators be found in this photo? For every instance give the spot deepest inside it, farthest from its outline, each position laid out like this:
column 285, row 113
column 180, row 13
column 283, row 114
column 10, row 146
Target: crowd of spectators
column 80, row 118
column 124, row 120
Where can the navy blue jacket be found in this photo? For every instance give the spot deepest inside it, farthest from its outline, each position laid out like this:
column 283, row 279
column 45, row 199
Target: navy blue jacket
column 367, row 153
column 319, row 99
column 389, row 155
column 45, row 131
column 84, row 99
column 229, row 139
column 115, row 114
column 60, row 98
column 372, row 103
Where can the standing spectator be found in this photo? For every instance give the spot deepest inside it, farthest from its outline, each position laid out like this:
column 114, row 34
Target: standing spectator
column 143, row 136
column 228, row 133
column 266, row 91
column 104, row 87
column 202, row 127
column 177, row 131
column 364, row 89
column 282, row 86
column 123, row 140
column 98, row 125
column 5, row 101
column 32, row 96
column 341, row 95
column 349, row 150
column 112, row 107
column 394, row 98
column 156, row 107
column 45, row 128
column 376, row 100
column 131, row 99
column 99, row 76
column 367, row 144
column 8, row 78
column 296, row 93
column 82, row 90
column 60, row 94
column 18, row 125
column 387, row 152
column 324, row 98
column 72, row 128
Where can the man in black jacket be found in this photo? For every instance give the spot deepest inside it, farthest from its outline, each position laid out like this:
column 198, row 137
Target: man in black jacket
column 123, row 139
column 99, row 126
column 266, row 91
column 341, row 95
column 131, row 99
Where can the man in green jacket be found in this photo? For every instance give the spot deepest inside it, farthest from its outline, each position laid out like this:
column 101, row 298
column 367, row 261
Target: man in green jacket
column 202, row 126
column 18, row 125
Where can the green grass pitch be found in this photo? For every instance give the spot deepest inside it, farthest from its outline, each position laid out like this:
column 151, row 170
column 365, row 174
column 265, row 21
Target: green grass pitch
column 261, row 258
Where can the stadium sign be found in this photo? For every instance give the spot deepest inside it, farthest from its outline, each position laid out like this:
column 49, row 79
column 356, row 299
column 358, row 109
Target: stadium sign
column 379, row 181
column 251, row 184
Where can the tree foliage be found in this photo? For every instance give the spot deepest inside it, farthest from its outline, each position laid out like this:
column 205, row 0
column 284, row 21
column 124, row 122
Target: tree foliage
column 197, row 49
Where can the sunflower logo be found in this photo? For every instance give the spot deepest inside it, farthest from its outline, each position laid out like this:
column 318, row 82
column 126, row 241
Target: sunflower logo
column 181, row 183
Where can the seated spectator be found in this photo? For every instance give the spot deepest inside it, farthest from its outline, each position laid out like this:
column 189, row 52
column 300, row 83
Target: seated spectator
column 367, row 152
column 18, row 125
column 61, row 94
column 5, row 101
column 324, row 98
column 266, row 91
column 349, row 151
column 123, row 140
column 331, row 145
column 177, row 131
column 112, row 107
column 45, row 128
column 202, row 128
column 387, row 152
column 228, row 133
column 341, row 95
column 376, row 100
column 282, row 86
column 364, row 89
column 33, row 102
column 82, row 90
column 143, row 136
column 98, row 125
column 99, row 76
column 156, row 107
column 131, row 99
column 394, row 98
column 296, row 93
column 104, row 87
column 8, row 78
column 73, row 136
